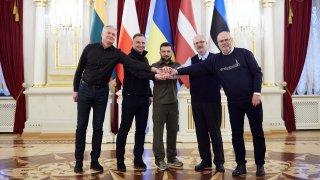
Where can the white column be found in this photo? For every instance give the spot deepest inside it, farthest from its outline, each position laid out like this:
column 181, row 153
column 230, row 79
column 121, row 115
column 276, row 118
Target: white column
column 39, row 79
column 268, row 59
column 209, row 12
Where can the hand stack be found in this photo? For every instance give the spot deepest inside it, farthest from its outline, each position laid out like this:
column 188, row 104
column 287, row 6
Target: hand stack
column 164, row 73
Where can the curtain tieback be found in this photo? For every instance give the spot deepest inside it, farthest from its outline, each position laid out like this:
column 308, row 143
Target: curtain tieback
column 290, row 13
column 284, row 84
column 22, row 89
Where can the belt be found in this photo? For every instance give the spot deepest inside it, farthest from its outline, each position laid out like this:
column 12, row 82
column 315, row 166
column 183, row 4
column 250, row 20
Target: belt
column 97, row 86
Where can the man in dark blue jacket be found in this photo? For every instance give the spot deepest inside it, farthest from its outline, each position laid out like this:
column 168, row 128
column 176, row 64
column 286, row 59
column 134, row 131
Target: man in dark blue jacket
column 206, row 109
column 241, row 79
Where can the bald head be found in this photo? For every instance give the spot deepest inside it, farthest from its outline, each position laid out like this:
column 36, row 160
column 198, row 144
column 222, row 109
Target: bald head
column 200, row 44
column 225, row 42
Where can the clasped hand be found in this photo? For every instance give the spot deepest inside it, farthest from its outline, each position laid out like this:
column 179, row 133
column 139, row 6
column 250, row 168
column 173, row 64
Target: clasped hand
column 165, row 73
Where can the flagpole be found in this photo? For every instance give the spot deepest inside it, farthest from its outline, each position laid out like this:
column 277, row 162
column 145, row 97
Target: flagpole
column 209, row 12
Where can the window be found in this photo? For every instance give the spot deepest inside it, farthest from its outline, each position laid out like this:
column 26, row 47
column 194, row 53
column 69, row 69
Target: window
column 309, row 83
column 3, row 87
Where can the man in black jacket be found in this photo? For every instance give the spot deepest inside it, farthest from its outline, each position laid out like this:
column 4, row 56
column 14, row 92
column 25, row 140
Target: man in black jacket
column 206, row 109
column 91, row 91
column 137, row 97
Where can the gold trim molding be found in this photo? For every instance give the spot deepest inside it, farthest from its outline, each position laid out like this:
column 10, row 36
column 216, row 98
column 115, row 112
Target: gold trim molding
column 269, row 84
column 39, row 85
column 208, row 3
column 267, row 6
column 75, row 51
column 267, row 3
column 58, row 85
column 191, row 124
column 61, row 75
column 41, row 3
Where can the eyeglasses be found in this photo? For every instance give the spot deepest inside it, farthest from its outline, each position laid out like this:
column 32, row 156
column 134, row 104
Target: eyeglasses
column 224, row 40
column 199, row 42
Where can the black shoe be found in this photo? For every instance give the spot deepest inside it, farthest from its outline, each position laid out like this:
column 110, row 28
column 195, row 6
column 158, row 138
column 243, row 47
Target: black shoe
column 96, row 166
column 240, row 169
column 260, row 171
column 203, row 165
column 220, row 168
column 78, row 167
column 121, row 166
column 139, row 164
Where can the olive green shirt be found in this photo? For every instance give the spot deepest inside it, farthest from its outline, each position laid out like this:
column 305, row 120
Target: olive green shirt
column 165, row 91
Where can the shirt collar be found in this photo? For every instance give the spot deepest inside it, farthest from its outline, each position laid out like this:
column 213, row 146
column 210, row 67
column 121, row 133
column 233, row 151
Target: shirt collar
column 165, row 62
column 204, row 56
column 111, row 47
column 229, row 51
column 142, row 55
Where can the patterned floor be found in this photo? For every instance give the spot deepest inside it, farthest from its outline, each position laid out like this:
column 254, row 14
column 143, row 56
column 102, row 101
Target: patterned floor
column 293, row 156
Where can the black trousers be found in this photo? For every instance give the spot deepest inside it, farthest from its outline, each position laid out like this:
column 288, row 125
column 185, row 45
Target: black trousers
column 138, row 107
column 96, row 98
column 207, row 119
column 255, row 116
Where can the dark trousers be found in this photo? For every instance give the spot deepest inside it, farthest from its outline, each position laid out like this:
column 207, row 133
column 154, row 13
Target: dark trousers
column 207, row 119
column 237, row 112
column 138, row 107
column 97, row 99
column 165, row 114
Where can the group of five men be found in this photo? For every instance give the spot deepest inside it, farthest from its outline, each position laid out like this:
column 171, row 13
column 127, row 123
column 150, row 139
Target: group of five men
column 234, row 68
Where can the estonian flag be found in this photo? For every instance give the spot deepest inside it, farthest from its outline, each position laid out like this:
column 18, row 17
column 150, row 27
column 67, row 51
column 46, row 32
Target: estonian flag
column 219, row 23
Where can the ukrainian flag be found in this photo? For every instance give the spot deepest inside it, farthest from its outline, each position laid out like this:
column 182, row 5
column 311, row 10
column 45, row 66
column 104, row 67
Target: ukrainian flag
column 160, row 31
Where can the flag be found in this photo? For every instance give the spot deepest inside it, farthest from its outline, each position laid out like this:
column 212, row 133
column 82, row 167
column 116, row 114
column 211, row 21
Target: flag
column 129, row 27
column 186, row 31
column 219, row 23
column 150, row 17
column 99, row 19
column 160, row 31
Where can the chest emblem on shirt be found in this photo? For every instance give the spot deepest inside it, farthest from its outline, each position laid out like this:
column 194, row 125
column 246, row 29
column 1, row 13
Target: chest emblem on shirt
column 228, row 68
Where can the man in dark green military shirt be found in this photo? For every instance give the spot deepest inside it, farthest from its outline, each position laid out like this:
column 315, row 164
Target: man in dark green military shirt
column 165, row 111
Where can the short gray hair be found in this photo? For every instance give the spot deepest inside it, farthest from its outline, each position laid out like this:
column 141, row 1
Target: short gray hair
column 108, row 26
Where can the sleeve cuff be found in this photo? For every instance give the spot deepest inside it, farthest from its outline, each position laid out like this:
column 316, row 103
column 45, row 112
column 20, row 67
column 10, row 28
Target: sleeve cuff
column 257, row 93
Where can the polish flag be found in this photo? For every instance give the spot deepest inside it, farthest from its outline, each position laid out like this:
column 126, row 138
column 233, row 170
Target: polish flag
column 185, row 33
column 129, row 27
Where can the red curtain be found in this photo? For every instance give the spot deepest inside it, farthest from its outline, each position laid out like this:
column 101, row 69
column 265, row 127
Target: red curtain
column 11, row 56
column 173, row 9
column 119, row 16
column 296, row 36
column 142, row 7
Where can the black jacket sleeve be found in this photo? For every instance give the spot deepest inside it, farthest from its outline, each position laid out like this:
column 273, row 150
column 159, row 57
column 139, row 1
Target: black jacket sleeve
column 206, row 67
column 128, row 62
column 80, row 68
column 255, row 71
